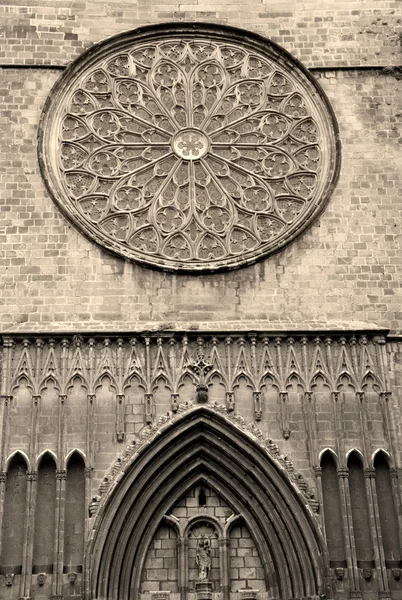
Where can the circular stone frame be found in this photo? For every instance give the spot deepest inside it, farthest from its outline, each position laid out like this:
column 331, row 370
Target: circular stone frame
column 189, row 147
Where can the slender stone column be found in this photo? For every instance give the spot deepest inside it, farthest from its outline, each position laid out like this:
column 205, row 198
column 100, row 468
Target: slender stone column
column 379, row 558
column 26, row 577
column 61, row 476
column 343, row 475
column 224, row 567
column 4, row 426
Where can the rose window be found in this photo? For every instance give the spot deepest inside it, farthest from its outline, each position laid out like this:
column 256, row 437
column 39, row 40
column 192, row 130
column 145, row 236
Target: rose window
column 197, row 149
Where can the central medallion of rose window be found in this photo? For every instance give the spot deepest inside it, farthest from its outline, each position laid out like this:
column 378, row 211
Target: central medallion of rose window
column 193, row 149
column 190, row 144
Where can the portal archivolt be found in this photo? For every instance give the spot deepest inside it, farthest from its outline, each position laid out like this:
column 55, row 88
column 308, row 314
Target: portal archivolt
column 203, row 479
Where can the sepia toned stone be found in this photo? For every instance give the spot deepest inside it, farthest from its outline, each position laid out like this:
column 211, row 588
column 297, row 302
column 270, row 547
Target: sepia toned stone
column 206, row 157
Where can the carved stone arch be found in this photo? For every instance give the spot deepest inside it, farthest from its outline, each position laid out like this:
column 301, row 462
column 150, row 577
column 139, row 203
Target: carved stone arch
column 213, row 520
column 264, row 380
column 320, row 374
column 70, row 382
column 45, row 382
column 246, row 377
column 15, row 384
column 135, row 377
column 376, row 381
column 42, row 455
column 169, row 520
column 214, row 482
column 204, row 445
column 16, row 453
column 98, row 383
column 384, row 453
column 349, row 377
column 331, row 452
column 356, row 452
column 294, row 375
column 231, row 522
column 161, row 378
column 80, row 453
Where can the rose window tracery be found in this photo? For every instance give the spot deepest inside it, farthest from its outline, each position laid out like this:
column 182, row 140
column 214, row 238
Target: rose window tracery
column 198, row 150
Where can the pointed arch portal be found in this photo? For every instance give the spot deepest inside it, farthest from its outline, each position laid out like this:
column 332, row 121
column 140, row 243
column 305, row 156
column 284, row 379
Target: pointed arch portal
column 205, row 448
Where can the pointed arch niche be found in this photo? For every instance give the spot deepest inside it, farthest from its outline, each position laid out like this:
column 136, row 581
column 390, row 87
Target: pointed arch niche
column 201, row 477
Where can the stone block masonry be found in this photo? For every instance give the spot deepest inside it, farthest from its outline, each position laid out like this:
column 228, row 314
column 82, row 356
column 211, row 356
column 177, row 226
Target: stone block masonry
column 306, row 377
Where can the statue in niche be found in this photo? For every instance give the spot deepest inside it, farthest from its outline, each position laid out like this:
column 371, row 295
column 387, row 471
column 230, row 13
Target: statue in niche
column 203, row 559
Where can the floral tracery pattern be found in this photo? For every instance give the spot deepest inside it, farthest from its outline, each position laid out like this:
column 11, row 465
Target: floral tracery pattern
column 190, row 153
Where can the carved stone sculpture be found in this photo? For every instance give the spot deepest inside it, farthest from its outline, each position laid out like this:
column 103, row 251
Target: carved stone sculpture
column 94, row 505
column 203, row 559
column 72, row 576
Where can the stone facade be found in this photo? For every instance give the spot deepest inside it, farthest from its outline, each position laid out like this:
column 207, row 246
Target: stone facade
column 253, row 412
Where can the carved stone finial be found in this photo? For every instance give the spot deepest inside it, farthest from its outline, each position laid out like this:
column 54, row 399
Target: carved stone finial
column 78, row 340
column 201, row 368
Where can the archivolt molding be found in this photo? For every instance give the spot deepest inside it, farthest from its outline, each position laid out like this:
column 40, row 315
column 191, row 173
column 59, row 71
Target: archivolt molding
column 151, row 432
column 203, row 444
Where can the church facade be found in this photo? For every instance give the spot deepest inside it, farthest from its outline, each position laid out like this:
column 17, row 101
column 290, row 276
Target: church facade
column 200, row 315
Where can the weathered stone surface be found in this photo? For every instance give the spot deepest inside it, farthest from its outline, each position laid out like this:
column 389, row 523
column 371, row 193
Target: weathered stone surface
column 310, row 415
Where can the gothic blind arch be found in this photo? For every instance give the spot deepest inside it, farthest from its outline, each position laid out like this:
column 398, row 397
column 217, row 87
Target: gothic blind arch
column 202, row 447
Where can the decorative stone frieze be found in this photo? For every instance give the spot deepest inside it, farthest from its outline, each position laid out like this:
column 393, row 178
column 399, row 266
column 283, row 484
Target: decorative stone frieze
column 161, row 595
column 180, row 355
column 248, row 594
